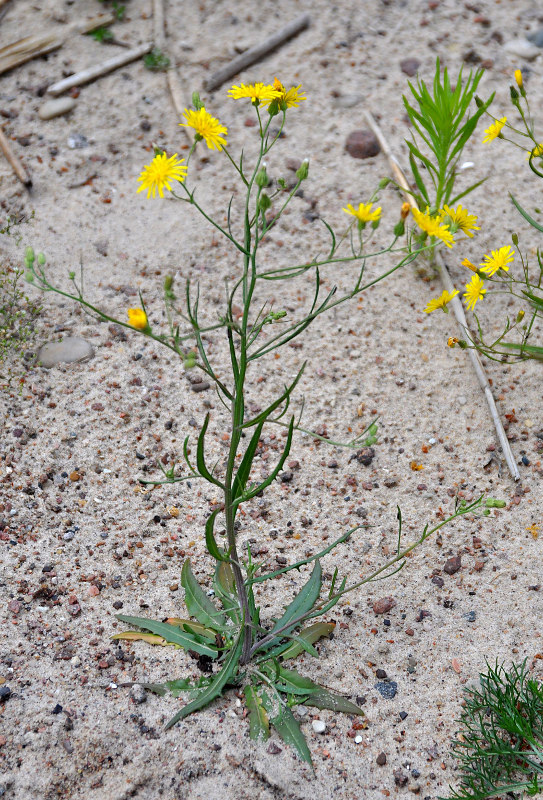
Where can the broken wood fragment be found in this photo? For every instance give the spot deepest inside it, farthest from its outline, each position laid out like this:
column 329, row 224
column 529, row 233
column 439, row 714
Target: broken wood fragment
column 91, row 73
column 14, row 162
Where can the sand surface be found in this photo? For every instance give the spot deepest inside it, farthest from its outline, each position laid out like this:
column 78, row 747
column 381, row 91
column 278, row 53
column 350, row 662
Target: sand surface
column 72, row 548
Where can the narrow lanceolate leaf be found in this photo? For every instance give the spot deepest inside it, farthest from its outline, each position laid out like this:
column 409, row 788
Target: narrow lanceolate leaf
column 288, row 729
column 198, row 603
column 302, row 603
column 216, row 687
column 225, row 589
column 192, row 627
column 200, row 457
column 529, row 349
column 291, row 682
column 323, row 698
column 530, row 220
column 213, row 549
column 172, row 634
column 150, row 638
column 244, row 469
column 259, row 723
column 308, row 635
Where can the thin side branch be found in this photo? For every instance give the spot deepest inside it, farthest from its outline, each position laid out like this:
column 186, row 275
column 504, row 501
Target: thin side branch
column 456, row 305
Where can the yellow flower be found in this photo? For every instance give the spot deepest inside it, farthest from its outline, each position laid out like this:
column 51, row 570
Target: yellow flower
column 537, row 152
column 137, row 318
column 416, row 467
column 432, row 226
column 290, row 98
column 495, row 130
column 256, row 92
column 500, row 259
column 440, row 302
column 452, row 341
column 160, row 172
column 518, row 78
column 206, row 127
column 364, row 212
column 467, row 263
column 474, row 291
column 460, row 220
column 534, row 530
column 404, row 213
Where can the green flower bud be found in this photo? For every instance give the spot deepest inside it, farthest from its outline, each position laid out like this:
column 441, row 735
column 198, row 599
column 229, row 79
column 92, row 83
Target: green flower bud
column 303, row 170
column 41, row 259
column 491, row 502
column 399, row 228
column 168, row 283
column 520, row 316
column 29, row 255
column 29, row 277
column 478, row 102
column 514, row 237
column 463, row 344
column 262, row 179
column 264, row 202
column 196, row 102
column 514, row 95
column 383, row 183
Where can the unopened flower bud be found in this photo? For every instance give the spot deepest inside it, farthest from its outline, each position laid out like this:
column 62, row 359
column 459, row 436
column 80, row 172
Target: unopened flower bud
column 399, row 228
column 29, row 255
column 462, row 344
column 196, row 102
column 518, row 78
column 262, row 177
column 264, row 202
column 520, row 316
column 514, row 238
column 41, row 259
column 405, row 210
column 491, row 502
column 383, row 183
column 514, row 95
column 478, row 102
column 168, row 283
column 303, row 170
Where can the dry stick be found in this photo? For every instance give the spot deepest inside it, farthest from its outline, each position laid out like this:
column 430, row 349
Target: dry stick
column 174, row 83
column 16, row 165
column 91, row 73
column 30, row 47
column 257, row 52
column 455, row 303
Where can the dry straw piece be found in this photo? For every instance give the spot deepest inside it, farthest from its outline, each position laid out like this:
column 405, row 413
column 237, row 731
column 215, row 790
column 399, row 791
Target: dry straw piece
column 455, row 303
column 91, row 73
column 14, row 162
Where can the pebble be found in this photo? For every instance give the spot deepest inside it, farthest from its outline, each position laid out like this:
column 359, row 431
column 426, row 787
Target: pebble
column 348, row 100
column 358, row 739
column 438, row 581
column 462, row 400
column 76, row 141
column 536, row 37
column 414, row 787
column 381, row 759
column 54, row 108
column 365, row 456
column 75, row 661
column 409, row 66
column 400, row 778
column 69, row 350
column 387, row 689
column 274, row 749
column 318, row 725
column 452, row 565
column 302, row 711
column 5, row 693
column 522, row 48
column 138, row 694
column 383, row 605
column 362, row 144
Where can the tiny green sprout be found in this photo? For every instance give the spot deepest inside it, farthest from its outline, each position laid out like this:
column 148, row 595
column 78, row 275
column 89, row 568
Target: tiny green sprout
column 156, row 60
column 118, row 10
column 101, row 34
column 281, row 182
column 71, row 276
column 303, row 170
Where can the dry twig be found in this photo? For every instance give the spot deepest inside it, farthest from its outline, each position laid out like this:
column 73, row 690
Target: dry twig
column 14, row 162
column 91, row 73
column 456, row 305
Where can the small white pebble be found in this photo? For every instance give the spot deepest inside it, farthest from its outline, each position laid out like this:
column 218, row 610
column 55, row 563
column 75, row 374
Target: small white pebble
column 357, row 739
column 75, row 661
column 318, row 725
column 432, row 440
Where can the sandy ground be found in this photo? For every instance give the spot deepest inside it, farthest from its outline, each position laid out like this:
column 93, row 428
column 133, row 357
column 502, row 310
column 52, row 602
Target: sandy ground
column 98, row 540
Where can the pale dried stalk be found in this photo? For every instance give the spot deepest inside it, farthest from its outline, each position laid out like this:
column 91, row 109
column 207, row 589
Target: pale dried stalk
column 14, row 162
column 174, row 82
column 456, row 305
column 32, row 46
column 91, row 73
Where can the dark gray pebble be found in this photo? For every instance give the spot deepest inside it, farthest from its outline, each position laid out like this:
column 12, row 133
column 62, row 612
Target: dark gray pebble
column 362, row 144
column 438, row 581
column 387, row 689
column 452, row 565
column 381, row 759
column 5, row 693
column 57, row 709
column 409, row 66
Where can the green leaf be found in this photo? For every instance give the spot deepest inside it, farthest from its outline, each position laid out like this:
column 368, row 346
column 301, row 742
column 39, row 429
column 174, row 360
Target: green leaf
column 288, row 729
column 323, row 698
column 302, row 603
column 225, row 589
column 530, row 349
column 418, row 179
column 150, row 638
column 275, row 472
column 200, row 458
column 216, row 686
column 291, row 682
column 192, row 627
column 534, row 299
column 198, row 603
column 467, row 191
column 244, row 469
column 172, row 634
column 526, row 216
column 259, row 723
column 212, row 547
column 309, row 635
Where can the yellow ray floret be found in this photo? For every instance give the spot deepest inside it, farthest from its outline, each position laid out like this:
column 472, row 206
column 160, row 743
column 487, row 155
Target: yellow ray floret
column 288, row 98
column 441, row 301
column 460, row 220
column 137, row 318
column 432, row 226
column 256, row 92
column 160, row 172
column 500, row 259
column 206, row 127
column 364, row 212
column 474, row 291
column 494, row 130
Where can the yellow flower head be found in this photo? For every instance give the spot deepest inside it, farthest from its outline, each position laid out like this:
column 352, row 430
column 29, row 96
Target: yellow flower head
column 290, row 98
column 518, row 78
column 432, row 226
column 467, row 263
column 364, row 212
column 160, row 172
column 474, row 291
column 441, row 301
column 460, row 220
column 495, row 130
column 256, row 92
column 537, row 152
column 500, row 259
column 206, row 127
column 404, row 213
column 452, row 341
column 138, row 318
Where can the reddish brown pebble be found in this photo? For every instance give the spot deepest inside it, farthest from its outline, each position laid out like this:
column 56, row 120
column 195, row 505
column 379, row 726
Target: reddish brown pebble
column 383, row 605
column 103, row 664
column 74, row 476
column 14, row 606
column 452, row 565
column 381, row 759
column 97, row 407
column 410, row 631
column 174, row 587
column 3, row 741
column 94, row 591
column 409, row 66
column 478, row 566
column 362, row 144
